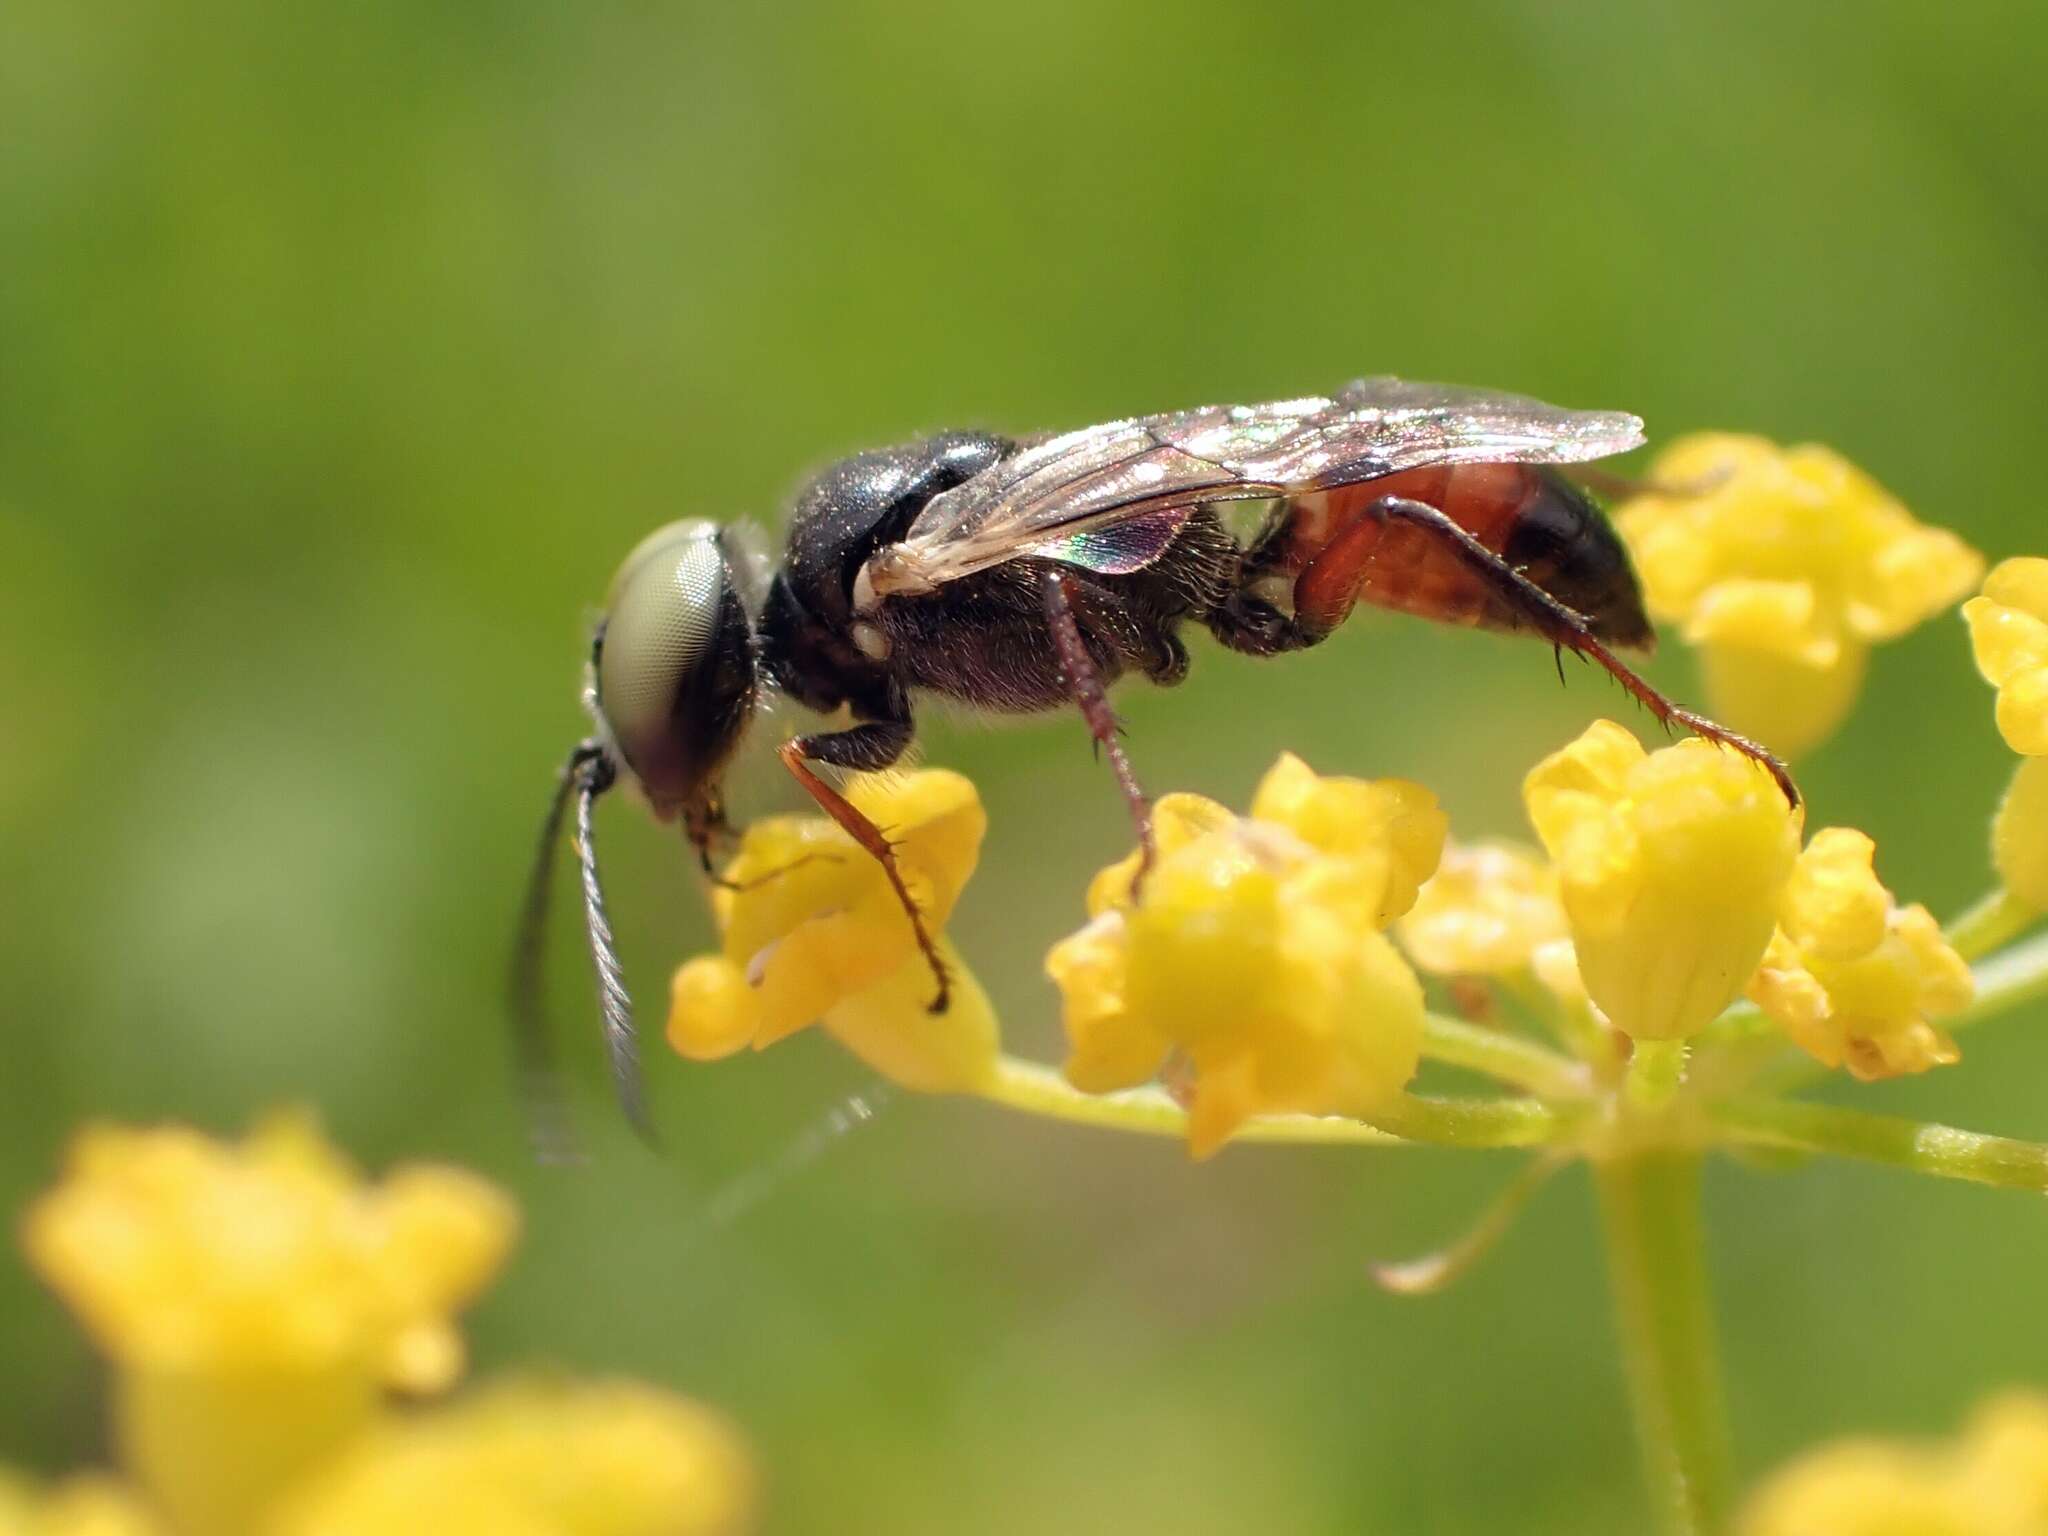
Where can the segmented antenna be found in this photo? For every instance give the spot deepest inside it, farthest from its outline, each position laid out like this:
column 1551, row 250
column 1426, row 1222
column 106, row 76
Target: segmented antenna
column 587, row 775
column 621, row 1044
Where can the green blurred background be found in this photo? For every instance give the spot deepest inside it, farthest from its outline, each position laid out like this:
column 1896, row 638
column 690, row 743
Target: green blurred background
column 344, row 349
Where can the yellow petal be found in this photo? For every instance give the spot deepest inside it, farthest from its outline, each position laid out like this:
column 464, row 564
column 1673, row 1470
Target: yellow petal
column 2019, row 836
column 711, row 1009
column 891, row 1027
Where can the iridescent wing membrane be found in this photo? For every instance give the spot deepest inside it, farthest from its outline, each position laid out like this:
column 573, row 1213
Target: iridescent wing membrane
column 1111, row 498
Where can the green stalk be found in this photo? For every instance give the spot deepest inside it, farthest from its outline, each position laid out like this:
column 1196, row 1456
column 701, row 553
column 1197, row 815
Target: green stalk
column 1650, row 1207
column 1942, row 1151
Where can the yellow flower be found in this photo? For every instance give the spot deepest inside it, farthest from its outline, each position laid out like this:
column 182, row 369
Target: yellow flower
column 1852, row 978
column 256, row 1297
column 2009, row 633
column 2019, row 835
column 537, row 1459
column 181, row 1253
column 1670, row 865
column 1486, row 911
column 813, row 932
column 84, row 1506
column 1253, row 950
column 1784, row 565
column 1994, row 1482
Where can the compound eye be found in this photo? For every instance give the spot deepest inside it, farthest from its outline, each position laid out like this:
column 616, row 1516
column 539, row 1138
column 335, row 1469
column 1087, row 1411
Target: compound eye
column 675, row 670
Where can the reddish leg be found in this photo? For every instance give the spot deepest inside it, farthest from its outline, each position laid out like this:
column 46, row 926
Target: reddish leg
column 1329, row 585
column 1085, row 683
column 869, row 836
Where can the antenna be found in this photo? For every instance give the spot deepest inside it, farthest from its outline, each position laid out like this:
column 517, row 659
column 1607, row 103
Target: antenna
column 589, row 773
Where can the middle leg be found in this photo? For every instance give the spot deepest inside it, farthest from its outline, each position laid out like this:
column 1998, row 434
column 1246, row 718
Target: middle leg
column 1084, row 681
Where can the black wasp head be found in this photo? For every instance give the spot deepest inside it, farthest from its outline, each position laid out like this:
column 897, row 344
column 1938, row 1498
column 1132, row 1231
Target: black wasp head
column 671, row 685
column 673, row 677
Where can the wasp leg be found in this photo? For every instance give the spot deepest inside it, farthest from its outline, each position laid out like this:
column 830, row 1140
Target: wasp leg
column 1329, row 586
column 1085, row 683
column 875, row 744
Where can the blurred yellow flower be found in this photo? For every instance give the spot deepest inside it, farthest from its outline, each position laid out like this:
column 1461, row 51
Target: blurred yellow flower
column 2019, row 835
column 2009, row 633
column 1993, row 1482
column 1854, row 979
column 1487, row 910
column 180, row 1253
column 1670, row 864
column 255, row 1298
column 1254, row 950
column 1783, row 566
column 609, row 1458
column 83, row 1506
column 812, row 932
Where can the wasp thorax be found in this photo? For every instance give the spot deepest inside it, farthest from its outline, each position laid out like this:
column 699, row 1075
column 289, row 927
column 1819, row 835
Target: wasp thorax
column 674, row 664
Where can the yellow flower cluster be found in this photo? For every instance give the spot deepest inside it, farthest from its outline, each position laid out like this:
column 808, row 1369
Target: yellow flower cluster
column 537, row 1459
column 183, row 1254
column 1784, row 566
column 2009, row 633
column 1854, row 979
column 1670, row 865
column 1488, row 910
column 255, row 1298
column 812, row 932
column 1253, row 952
column 1992, row 1482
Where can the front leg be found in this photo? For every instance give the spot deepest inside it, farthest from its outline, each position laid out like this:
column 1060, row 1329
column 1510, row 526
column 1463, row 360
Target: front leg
column 866, row 748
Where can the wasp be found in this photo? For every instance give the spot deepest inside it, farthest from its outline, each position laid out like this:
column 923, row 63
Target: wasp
column 1025, row 575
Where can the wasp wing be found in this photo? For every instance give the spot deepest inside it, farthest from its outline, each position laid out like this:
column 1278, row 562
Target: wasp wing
column 1111, row 498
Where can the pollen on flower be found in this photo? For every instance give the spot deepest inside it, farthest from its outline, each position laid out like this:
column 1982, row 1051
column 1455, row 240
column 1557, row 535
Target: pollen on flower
column 1854, row 979
column 2009, row 633
column 1670, row 865
column 1990, row 1482
column 1254, row 951
column 181, row 1254
column 538, row 1459
column 811, row 931
column 1486, row 911
column 1784, row 565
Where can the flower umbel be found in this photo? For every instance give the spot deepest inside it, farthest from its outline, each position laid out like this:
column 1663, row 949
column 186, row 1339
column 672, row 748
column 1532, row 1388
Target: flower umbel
column 1253, row 949
column 257, row 1297
column 813, row 932
column 1853, row 978
column 180, row 1253
column 1784, row 566
column 1671, row 864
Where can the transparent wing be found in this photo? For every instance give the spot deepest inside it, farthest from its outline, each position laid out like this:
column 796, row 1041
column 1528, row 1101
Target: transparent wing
column 1111, row 497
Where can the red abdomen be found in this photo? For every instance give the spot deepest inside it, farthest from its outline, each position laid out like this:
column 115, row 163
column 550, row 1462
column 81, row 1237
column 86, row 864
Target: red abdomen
column 1532, row 517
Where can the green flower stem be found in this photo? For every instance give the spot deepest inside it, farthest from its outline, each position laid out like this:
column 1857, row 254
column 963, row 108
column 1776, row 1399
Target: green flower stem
column 1998, row 919
column 1941, row 1151
column 1650, row 1207
column 1039, row 1090
column 1512, row 1059
column 1655, row 1073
